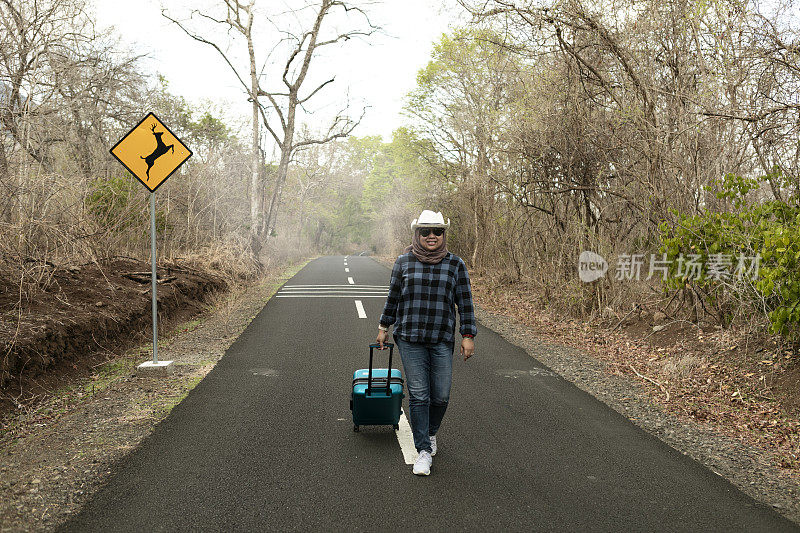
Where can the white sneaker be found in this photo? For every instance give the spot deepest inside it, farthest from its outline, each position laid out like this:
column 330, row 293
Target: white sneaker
column 433, row 445
column 423, row 465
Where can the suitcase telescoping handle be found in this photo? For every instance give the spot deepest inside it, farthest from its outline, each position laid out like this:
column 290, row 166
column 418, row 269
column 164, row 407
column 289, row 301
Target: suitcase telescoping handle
column 388, row 371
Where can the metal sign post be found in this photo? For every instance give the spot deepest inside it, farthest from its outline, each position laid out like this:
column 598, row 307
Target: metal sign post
column 155, row 285
column 151, row 152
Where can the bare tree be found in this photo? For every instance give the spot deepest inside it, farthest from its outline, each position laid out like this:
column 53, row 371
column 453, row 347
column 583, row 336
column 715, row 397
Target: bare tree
column 283, row 103
column 239, row 18
column 33, row 34
column 63, row 88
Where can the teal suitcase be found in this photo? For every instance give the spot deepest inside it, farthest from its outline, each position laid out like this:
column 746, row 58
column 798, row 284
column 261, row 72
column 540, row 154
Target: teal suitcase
column 374, row 399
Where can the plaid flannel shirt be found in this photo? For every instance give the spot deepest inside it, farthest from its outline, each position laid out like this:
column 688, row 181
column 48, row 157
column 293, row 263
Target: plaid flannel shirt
column 422, row 299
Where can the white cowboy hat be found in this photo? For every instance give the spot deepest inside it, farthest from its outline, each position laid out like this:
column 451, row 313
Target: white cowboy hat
column 429, row 219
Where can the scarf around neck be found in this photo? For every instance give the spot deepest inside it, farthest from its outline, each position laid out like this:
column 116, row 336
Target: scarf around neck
column 430, row 257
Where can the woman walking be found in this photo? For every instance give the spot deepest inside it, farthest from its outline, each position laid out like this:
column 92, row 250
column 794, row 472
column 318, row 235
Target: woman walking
column 427, row 283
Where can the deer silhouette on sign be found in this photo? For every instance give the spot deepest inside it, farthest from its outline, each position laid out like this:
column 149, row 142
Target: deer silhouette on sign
column 160, row 150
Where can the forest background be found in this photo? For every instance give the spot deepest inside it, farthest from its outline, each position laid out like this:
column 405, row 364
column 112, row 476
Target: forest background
column 542, row 129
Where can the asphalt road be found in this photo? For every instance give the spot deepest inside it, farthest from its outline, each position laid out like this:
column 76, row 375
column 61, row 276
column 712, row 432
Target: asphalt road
column 265, row 443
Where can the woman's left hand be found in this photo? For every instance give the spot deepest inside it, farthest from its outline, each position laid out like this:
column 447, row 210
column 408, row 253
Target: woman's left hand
column 467, row 347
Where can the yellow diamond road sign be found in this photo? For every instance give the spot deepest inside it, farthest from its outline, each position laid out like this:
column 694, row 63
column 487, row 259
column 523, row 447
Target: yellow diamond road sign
column 151, row 152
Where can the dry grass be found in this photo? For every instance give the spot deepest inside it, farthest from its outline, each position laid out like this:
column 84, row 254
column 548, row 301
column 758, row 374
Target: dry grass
column 226, row 304
column 228, row 260
column 682, row 367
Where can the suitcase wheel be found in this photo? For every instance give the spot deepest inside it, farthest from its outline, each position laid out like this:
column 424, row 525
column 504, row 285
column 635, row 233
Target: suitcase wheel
column 355, row 428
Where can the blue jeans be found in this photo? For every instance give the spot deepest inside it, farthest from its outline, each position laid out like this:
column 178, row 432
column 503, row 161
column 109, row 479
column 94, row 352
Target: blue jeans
column 429, row 374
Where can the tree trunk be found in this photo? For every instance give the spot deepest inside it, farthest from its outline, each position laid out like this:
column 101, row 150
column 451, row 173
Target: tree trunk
column 5, row 178
column 255, row 192
column 475, row 226
column 283, row 169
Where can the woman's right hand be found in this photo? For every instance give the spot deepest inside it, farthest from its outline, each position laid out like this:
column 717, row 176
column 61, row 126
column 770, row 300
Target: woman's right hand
column 381, row 338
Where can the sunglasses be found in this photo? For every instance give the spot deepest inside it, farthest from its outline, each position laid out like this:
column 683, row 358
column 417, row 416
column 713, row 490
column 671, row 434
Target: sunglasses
column 427, row 231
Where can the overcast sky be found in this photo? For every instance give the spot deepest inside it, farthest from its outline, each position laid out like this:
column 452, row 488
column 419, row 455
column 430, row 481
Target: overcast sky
column 378, row 74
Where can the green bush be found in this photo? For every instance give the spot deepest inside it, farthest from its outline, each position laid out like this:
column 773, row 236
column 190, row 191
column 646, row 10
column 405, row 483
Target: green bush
column 109, row 200
column 768, row 233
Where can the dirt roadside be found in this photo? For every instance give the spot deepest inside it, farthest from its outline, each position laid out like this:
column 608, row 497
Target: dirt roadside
column 55, row 457
column 62, row 321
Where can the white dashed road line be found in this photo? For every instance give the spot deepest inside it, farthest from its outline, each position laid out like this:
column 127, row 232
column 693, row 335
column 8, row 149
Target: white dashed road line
column 406, row 439
column 360, row 309
column 350, row 281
